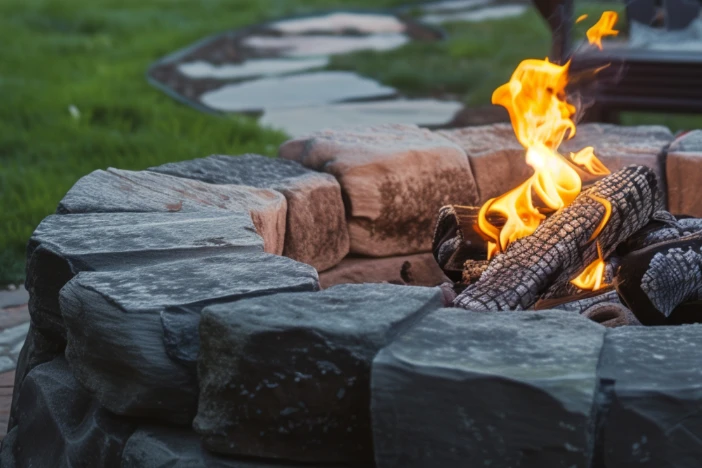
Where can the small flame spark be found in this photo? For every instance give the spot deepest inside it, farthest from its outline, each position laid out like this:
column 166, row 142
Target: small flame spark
column 592, row 276
column 603, row 27
column 581, row 18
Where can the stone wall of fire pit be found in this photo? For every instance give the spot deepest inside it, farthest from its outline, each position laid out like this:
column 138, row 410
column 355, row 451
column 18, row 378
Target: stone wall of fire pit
column 168, row 330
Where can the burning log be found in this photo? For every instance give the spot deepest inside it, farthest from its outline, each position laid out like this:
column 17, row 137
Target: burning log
column 662, row 283
column 563, row 245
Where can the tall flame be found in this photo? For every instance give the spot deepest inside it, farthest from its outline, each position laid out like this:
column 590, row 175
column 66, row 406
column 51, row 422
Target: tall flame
column 541, row 118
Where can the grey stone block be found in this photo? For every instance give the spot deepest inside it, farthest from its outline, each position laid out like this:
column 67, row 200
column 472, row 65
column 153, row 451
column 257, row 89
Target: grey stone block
column 499, row 389
column 119, row 191
column 7, row 457
column 131, row 334
column 37, row 349
column 63, row 245
column 394, row 179
column 160, row 447
column 650, row 397
column 287, row 376
column 316, row 232
column 60, row 426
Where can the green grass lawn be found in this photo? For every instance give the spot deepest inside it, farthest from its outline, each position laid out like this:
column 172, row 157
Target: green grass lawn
column 91, row 55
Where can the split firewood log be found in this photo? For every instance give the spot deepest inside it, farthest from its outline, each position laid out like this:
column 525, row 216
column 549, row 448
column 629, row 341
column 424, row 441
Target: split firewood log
column 562, row 246
column 456, row 240
column 662, row 283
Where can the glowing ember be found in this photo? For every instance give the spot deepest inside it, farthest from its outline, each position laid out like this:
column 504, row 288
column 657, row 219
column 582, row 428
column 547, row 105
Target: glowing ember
column 581, row 18
column 542, row 118
column 603, row 27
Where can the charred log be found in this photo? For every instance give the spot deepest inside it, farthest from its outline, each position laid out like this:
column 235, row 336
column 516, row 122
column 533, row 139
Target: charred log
column 563, row 288
column 562, row 247
column 456, row 240
column 579, row 302
column 662, row 283
column 664, row 227
column 611, row 315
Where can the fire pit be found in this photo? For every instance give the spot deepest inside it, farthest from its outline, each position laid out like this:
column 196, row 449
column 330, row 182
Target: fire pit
column 177, row 316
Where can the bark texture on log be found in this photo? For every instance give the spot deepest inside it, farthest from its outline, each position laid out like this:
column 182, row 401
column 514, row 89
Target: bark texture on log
column 664, row 227
column 561, row 247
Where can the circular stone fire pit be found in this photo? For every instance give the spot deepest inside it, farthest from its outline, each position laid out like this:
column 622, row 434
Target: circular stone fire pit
column 177, row 319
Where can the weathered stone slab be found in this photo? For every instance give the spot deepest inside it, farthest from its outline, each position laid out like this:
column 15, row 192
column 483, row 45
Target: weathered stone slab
column 132, row 337
column 650, row 393
column 394, row 179
column 37, row 349
column 63, row 245
column 61, row 426
column 498, row 389
column 684, row 172
column 287, row 376
column 688, row 142
column 160, row 447
column 497, row 160
column 413, row 270
column 619, row 146
column 316, row 232
column 116, row 190
column 7, row 457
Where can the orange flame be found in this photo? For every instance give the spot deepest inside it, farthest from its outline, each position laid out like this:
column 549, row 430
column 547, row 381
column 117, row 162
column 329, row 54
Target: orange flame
column 586, row 159
column 592, row 277
column 603, row 27
column 541, row 118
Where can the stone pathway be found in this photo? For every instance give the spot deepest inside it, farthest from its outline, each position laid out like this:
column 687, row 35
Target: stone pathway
column 14, row 324
column 277, row 70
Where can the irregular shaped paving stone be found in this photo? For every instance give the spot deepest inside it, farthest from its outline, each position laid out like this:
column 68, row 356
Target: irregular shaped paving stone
column 116, row 190
column 492, row 149
column 61, row 426
column 505, row 389
column 684, row 173
column 132, row 335
column 394, row 177
column 305, row 89
column 316, row 232
column 650, row 394
column 160, row 447
column 413, row 270
column 287, row 376
column 299, row 121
